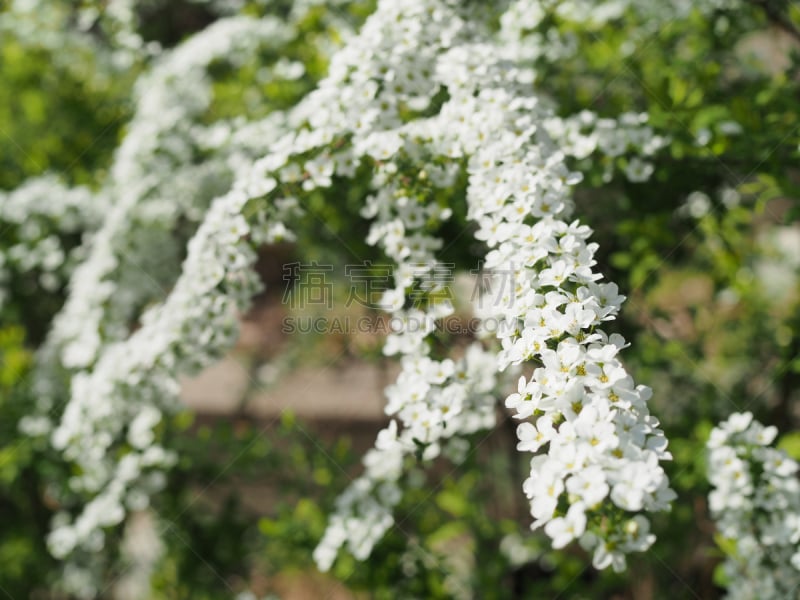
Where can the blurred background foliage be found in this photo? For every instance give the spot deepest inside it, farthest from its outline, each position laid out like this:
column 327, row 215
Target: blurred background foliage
column 707, row 251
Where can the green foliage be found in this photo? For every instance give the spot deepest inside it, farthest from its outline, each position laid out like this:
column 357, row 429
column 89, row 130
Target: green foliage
column 57, row 119
column 23, row 475
column 248, row 503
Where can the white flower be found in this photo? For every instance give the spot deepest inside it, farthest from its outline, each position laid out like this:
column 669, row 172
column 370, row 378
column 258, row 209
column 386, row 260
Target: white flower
column 756, row 504
column 589, row 485
column 638, row 170
column 564, row 529
column 532, row 438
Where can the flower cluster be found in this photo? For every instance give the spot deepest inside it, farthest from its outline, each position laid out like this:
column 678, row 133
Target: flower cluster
column 64, row 33
column 135, row 377
column 424, row 95
column 155, row 182
column 756, row 505
column 626, row 141
column 435, row 401
column 601, row 469
column 135, row 380
column 600, row 466
column 108, row 30
column 37, row 224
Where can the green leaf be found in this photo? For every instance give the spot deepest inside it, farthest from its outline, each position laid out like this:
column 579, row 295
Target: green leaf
column 452, row 502
column 790, row 443
column 727, row 545
column 720, row 578
column 447, row 532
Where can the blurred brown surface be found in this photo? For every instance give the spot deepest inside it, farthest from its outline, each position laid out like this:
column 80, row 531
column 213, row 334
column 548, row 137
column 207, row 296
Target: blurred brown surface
column 351, row 391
